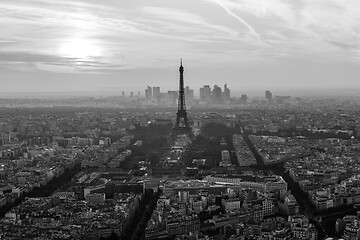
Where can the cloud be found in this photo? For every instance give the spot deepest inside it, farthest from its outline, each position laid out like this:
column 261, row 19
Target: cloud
column 23, row 61
column 40, row 30
column 76, row 36
column 179, row 22
column 232, row 14
column 297, row 26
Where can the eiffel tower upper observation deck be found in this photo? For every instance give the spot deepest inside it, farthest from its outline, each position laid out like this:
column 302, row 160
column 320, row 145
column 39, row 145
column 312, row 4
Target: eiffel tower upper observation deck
column 182, row 123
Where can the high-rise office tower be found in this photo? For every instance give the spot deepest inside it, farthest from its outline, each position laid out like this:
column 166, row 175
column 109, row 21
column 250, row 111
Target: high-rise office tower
column 207, row 92
column 148, row 92
column 268, row 95
column 217, row 95
column 243, row 98
column 226, row 94
column 172, row 97
column 189, row 94
column 156, row 94
column 201, row 94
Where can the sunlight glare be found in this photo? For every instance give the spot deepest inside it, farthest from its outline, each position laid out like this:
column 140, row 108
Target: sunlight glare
column 80, row 49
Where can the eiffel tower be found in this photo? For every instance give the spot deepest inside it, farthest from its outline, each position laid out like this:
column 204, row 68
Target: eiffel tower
column 181, row 127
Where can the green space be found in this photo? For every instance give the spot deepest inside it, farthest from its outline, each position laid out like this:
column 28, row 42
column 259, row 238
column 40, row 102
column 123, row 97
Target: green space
column 155, row 140
column 207, row 145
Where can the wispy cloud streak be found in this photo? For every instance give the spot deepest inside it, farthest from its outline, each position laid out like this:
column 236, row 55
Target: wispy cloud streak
column 232, row 14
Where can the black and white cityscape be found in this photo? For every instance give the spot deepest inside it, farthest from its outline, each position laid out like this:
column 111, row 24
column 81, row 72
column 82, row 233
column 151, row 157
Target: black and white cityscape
column 179, row 120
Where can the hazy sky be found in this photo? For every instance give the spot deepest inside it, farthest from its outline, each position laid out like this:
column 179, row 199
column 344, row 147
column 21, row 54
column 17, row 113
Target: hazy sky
column 112, row 45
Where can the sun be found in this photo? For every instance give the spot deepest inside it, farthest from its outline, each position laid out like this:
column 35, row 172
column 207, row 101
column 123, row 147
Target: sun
column 82, row 49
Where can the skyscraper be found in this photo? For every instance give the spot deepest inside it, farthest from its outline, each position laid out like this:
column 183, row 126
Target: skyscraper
column 148, row 92
column 217, row 95
column 243, row 98
column 172, row 96
column 268, row 95
column 189, row 94
column 202, row 94
column 226, row 94
column 205, row 93
column 156, row 94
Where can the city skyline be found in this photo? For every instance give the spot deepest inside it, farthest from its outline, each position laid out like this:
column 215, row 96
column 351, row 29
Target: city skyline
column 85, row 46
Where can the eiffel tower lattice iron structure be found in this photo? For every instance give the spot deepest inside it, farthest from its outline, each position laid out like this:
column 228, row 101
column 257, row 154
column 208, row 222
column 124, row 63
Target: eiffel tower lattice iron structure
column 181, row 127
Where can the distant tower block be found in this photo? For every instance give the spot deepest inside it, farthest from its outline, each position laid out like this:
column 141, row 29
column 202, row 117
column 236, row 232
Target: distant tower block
column 181, row 126
column 123, row 94
column 131, row 94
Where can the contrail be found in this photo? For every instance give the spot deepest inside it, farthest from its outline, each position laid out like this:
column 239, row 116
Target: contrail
column 250, row 28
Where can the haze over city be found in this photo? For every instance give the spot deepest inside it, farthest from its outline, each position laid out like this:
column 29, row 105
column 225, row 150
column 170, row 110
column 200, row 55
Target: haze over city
column 109, row 46
column 179, row 120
